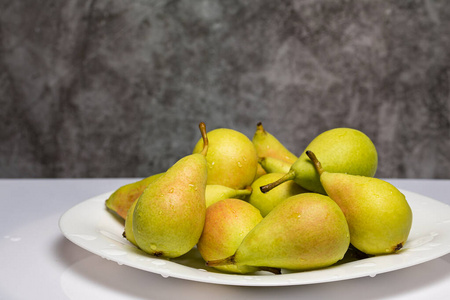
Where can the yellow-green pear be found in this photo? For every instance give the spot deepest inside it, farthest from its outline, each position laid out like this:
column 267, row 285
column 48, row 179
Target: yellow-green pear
column 169, row 215
column 227, row 223
column 216, row 192
column 378, row 214
column 274, row 165
column 266, row 202
column 342, row 150
column 268, row 145
column 121, row 200
column 305, row 231
column 232, row 159
column 128, row 231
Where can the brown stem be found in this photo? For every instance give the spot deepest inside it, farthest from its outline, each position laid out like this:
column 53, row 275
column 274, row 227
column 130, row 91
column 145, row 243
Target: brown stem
column 315, row 161
column 259, row 127
column 202, row 127
column 221, row 262
column 289, row 176
column 230, row 261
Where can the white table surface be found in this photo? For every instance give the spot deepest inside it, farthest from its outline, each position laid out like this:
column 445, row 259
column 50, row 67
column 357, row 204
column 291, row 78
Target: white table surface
column 38, row 262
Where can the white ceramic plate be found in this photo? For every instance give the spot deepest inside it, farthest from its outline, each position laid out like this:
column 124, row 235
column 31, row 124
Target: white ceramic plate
column 92, row 227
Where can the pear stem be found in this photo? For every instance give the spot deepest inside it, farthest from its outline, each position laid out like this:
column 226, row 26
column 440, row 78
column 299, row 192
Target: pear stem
column 244, row 192
column 221, row 262
column 202, row 127
column 288, row 176
column 259, row 127
column 230, row 261
column 315, row 161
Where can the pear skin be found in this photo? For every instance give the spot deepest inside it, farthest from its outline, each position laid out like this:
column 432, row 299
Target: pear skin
column 378, row 214
column 268, row 145
column 274, row 165
column 128, row 231
column 169, row 215
column 232, row 159
column 342, row 150
column 266, row 202
column 305, row 231
column 121, row 200
column 227, row 223
column 259, row 171
column 215, row 192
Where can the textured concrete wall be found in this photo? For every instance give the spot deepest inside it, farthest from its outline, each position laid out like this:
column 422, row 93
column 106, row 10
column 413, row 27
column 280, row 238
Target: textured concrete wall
column 117, row 88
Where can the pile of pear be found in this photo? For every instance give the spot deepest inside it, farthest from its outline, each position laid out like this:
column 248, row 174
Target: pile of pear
column 249, row 205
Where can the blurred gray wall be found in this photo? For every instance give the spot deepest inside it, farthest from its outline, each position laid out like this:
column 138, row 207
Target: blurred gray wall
column 117, row 88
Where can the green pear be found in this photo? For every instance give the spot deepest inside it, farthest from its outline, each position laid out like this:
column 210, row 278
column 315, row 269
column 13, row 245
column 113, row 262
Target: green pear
column 268, row 145
column 227, row 223
column 274, row 165
column 128, row 232
column 232, row 159
column 378, row 214
column 342, row 150
column 216, row 192
column 305, row 231
column 169, row 215
column 121, row 200
column 266, row 202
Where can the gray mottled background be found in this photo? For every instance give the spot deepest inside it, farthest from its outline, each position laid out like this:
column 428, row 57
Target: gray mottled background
column 117, row 88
